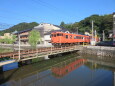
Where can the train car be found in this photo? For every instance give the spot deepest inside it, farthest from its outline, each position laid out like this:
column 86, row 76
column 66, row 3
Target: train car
column 61, row 38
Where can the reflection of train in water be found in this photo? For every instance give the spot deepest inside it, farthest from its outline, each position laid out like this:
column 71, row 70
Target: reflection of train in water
column 63, row 70
column 61, row 38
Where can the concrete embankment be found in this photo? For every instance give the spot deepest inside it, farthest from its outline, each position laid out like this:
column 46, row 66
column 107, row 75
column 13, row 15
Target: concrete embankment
column 99, row 51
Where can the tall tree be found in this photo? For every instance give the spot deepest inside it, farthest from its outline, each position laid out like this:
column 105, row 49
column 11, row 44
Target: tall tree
column 34, row 38
column 101, row 22
column 62, row 24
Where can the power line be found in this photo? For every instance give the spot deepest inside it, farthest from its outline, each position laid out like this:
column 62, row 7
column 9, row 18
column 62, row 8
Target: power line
column 51, row 7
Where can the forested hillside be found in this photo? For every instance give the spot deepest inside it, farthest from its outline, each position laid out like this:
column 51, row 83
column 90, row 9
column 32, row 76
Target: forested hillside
column 19, row 27
column 101, row 22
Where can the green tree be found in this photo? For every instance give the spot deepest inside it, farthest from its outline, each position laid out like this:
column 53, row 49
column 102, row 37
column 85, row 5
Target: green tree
column 62, row 24
column 101, row 22
column 1, row 40
column 34, row 38
column 8, row 40
column 13, row 39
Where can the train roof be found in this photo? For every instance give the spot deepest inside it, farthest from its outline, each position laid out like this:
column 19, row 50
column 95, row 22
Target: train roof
column 70, row 33
column 59, row 31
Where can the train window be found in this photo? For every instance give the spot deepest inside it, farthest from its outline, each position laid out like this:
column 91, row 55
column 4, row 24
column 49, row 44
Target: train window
column 77, row 37
column 66, row 36
column 51, row 35
column 54, row 35
column 59, row 34
column 70, row 36
column 74, row 37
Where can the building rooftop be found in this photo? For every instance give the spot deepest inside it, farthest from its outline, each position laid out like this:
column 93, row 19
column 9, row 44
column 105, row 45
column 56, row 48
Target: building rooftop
column 23, row 31
column 63, row 30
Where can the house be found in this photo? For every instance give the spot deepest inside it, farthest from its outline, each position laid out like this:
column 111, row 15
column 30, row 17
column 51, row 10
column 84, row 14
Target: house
column 6, row 35
column 23, row 36
column 45, row 30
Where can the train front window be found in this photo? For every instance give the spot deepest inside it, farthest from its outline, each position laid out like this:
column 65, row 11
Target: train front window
column 54, row 35
column 66, row 36
column 51, row 35
column 59, row 34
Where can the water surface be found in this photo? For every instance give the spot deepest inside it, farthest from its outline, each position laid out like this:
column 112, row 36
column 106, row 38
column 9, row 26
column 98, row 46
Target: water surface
column 68, row 70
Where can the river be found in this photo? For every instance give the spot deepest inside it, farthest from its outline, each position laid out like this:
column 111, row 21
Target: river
column 67, row 70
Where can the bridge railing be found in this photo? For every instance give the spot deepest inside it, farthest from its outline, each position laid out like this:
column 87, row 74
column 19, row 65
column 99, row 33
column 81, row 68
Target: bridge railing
column 38, row 52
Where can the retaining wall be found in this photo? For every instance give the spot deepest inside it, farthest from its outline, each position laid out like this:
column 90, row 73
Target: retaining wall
column 99, row 50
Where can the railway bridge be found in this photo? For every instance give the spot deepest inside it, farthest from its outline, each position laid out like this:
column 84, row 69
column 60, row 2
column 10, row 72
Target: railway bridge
column 36, row 53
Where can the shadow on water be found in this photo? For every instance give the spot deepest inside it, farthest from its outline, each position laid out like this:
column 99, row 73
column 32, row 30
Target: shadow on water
column 3, row 79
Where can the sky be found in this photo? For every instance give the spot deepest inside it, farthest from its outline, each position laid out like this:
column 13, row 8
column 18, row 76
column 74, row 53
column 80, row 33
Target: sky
column 13, row 12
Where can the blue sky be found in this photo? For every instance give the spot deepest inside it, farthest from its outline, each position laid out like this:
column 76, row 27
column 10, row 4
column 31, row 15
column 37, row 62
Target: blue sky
column 52, row 11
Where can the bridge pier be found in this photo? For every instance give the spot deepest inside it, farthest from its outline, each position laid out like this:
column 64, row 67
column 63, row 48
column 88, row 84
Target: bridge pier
column 46, row 57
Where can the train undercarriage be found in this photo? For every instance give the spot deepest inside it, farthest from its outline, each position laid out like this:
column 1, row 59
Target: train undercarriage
column 69, row 44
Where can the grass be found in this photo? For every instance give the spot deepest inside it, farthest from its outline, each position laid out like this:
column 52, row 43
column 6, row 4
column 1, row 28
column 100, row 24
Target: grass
column 3, row 50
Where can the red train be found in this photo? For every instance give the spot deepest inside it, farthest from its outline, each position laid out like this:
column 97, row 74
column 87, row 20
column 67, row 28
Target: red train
column 61, row 38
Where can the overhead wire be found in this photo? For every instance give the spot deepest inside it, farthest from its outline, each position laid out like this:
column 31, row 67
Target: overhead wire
column 56, row 9
column 53, row 8
column 42, row 3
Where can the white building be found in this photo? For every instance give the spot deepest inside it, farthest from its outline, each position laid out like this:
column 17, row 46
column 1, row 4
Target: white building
column 45, row 31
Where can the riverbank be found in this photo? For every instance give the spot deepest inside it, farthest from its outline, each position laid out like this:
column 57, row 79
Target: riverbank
column 99, row 51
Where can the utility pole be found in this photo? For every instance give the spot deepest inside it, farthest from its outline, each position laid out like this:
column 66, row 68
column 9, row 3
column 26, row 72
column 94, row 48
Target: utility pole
column 19, row 46
column 114, row 28
column 77, row 30
column 103, row 35
column 95, row 35
column 92, row 32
